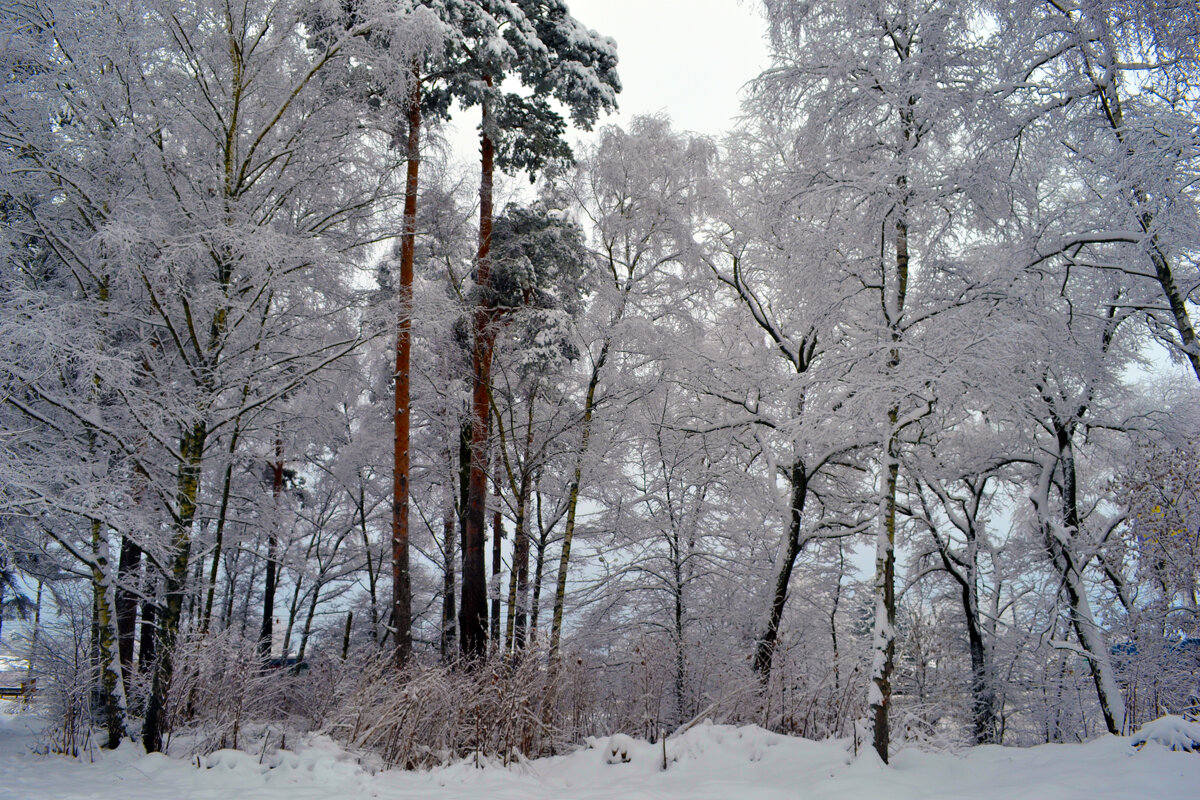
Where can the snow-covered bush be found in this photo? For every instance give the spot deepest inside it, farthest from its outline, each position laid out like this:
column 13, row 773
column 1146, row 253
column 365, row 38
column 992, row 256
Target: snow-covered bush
column 1173, row 732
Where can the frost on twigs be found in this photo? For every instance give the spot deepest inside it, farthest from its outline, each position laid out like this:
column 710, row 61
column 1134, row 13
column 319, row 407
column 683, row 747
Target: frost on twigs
column 1173, row 732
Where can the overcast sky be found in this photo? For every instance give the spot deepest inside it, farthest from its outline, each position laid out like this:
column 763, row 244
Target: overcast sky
column 688, row 58
column 685, row 58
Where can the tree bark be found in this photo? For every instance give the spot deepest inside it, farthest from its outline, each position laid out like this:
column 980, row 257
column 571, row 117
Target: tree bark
column 497, row 536
column 449, row 616
column 520, row 599
column 112, row 684
column 187, row 489
column 473, row 610
column 560, row 591
column 764, row 645
column 539, row 567
column 401, row 580
column 222, row 517
column 127, row 577
column 884, row 635
column 267, row 631
column 148, row 634
column 1091, row 637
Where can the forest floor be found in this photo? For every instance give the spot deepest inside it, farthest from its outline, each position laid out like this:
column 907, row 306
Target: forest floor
column 706, row 763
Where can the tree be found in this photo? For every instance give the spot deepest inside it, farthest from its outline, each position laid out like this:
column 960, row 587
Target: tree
column 201, row 274
column 637, row 193
column 877, row 93
column 554, row 56
column 1116, row 80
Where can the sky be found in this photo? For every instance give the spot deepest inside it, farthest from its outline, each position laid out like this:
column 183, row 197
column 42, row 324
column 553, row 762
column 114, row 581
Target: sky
column 686, row 58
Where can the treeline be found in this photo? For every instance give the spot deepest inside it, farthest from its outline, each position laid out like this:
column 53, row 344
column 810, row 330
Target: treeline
column 282, row 387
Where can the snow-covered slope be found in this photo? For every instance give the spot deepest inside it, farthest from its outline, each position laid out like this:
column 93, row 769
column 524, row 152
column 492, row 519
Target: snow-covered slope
column 707, row 762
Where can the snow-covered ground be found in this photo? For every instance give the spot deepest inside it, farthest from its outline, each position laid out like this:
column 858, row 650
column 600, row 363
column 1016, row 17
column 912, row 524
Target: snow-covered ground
column 707, row 762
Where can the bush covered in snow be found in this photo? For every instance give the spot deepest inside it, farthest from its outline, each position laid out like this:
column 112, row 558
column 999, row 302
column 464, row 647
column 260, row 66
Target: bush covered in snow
column 1173, row 732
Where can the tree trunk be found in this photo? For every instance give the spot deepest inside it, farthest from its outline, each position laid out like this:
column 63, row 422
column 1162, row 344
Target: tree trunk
column 222, row 517
column 883, row 657
column 112, row 684
column 449, row 616
column 148, row 633
column 308, row 621
column 680, row 651
column 191, row 449
column 494, row 585
column 764, row 645
column 127, row 577
column 293, row 613
column 884, row 630
column 267, row 631
column 473, row 610
column 1091, row 637
column 33, row 634
column 372, row 574
column 518, row 601
column 539, row 563
column 401, row 580
column 521, row 567
column 560, row 591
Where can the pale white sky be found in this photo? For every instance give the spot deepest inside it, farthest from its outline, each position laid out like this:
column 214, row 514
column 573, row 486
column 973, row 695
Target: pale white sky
column 686, row 58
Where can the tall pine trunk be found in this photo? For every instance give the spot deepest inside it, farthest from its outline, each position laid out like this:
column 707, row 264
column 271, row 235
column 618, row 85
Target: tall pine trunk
column 401, row 580
column 473, row 610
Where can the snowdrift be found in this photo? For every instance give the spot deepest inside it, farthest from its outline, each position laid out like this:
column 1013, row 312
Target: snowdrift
column 707, row 762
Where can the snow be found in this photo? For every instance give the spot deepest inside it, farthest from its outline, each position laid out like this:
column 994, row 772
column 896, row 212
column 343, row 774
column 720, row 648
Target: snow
column 1172, row 732
column 707, row 762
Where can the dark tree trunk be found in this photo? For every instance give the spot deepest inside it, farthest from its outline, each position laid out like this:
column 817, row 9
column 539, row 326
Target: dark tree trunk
column 148, row 635
column 764, row 646
column 494, row 588
column 539, row 567
column 1091, row 637
column 127, row 597
column 191, row 451
column 267, row 632
column 449, row 615
column 473, row 611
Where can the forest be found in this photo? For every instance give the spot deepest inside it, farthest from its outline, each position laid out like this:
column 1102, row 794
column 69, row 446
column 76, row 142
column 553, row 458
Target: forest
column 876, row 417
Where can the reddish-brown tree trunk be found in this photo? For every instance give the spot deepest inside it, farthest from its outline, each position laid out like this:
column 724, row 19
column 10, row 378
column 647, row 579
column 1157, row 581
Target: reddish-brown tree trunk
column 473, row 611
column 401, row 582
